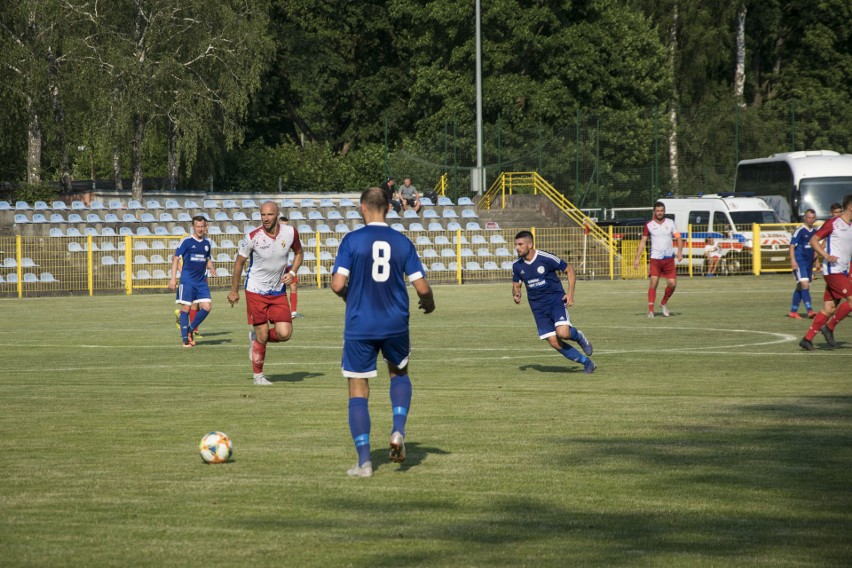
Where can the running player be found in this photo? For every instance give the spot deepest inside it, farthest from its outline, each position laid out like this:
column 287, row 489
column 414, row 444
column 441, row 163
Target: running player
column 802, row 261
column 369, row 274
column 548, row 300
column 267, row 249
column 194, row 252
column 837, row 251
column 663, row 233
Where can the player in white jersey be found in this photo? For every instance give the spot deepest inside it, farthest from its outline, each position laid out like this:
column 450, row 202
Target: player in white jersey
column 663, row 233
column 267, row 249
column 833, row 242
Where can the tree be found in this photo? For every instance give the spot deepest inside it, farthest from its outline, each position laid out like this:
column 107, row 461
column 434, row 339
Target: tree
column 184, row 69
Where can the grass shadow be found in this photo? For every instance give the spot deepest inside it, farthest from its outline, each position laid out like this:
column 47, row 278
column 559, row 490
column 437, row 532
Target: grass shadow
column 551, row 368
column 296, row 377
column 415, row 454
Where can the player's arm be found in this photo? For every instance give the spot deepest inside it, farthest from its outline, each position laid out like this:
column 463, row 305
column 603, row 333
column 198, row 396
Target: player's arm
column 793, row 264
column 210, row 267
column 290, row 277
column 679, row 240
column 516, row 292
column 816, row 244
column 338, row 285
column 424, row 291
column 568, row 298
column 234, row 294
column 173, row 273
column 639, row 251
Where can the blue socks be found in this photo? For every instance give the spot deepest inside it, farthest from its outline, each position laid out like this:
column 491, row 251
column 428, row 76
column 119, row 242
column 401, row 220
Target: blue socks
column 400, row 398
column 359, row 426
column 184, row 324
column 199, row 317
column 797, row 299
column 573, row 354
column 806, row 298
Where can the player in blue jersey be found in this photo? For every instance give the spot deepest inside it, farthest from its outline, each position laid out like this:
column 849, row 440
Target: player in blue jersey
column 369, row 274
column 802, row 261
column 549, row 302
column 194, row 252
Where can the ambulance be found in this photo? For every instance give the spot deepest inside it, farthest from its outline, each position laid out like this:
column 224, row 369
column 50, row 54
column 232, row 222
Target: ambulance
column 728, row 218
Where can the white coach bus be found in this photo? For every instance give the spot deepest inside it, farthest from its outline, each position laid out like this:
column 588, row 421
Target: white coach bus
column 794, row 182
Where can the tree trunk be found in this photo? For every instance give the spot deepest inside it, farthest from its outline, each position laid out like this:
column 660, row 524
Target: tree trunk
column 173, row 156
column 138, row 138
column 59, row 120
column 116, row 167
column 739, row 73
column 674, row 173
column 34, row 136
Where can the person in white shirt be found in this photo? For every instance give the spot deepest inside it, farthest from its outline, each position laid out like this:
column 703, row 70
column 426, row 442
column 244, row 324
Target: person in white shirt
column 663, row 234
column 267, row 250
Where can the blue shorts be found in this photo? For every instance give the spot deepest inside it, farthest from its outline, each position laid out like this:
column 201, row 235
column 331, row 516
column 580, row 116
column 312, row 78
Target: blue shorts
column 804, row 272
column 359, row 355
column 550, row 316
column 189, row 294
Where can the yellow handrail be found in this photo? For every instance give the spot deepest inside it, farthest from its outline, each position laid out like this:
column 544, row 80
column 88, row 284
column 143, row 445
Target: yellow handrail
column 441, row 186
column 531, row 182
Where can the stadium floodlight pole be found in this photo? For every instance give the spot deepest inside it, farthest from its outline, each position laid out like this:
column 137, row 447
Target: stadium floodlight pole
column 480, row 177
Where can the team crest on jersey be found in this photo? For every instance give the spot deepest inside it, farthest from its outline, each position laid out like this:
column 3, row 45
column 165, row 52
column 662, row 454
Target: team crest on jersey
column 540, row 270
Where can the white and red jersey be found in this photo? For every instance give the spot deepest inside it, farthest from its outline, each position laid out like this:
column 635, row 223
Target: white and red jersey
column 838, row 242
column 662, row 237
column 268, row 258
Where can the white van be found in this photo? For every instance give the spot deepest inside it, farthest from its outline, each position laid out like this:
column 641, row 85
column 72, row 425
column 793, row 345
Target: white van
column 729, row 220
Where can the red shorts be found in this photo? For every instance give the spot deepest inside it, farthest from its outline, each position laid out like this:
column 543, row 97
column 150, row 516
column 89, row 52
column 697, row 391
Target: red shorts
column 837, row 287
column 262, row 309
column 664, row 267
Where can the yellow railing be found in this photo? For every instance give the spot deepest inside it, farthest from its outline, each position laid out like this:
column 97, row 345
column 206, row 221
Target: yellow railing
column 441, row 186
column 509, row 183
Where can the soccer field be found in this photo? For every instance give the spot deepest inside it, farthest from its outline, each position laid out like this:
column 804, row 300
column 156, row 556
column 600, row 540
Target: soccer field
column 705, row 439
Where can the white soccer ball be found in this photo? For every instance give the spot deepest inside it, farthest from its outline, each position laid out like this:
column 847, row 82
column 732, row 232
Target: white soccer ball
column 216, row 447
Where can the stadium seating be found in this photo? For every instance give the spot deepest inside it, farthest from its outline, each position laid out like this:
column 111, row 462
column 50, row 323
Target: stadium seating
column 464, row 201
column 40, row 206
column 57, row 205
column 22, row 206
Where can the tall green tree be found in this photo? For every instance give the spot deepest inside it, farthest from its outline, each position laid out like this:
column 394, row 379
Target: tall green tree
column 182, row 69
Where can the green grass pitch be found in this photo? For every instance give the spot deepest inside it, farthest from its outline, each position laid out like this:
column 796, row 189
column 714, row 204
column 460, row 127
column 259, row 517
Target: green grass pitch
column 705, row 439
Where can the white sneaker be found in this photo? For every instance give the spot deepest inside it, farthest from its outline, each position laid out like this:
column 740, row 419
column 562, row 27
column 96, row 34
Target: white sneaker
column 365, row 470
column 397, row 447
column 260, row 379
column 296, row 315
column 651, row 315
column 665, row 310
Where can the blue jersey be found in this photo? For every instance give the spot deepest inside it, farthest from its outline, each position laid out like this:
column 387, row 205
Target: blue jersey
column 376, row 259
column 195, row 254
column 801, row 242
column 541, row 278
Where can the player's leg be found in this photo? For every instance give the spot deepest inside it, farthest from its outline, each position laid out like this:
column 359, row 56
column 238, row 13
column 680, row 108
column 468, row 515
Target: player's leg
column 359, row 365
column 257, row 308
column 548, row 324
column 797, row 296
column 567, row 333
column 396, row 352
column 184, row 301
column 281, row 317
column 652, row 287
column 805, row 282
column 842, row 310
column 829, row 306
column 202, row 305
column 669, row 272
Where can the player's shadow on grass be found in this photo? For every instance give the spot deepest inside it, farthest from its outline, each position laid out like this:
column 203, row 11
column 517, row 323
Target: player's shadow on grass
column 552, row 369
column 296, row 377
column 414, row 454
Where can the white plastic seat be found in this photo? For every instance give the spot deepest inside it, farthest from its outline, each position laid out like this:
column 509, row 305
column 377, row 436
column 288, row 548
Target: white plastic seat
column 93, row 218
column 172, row 204
column 353, row 214
column 464, row 201
column 444, row 201
column 435, row 226
column 157, row 259
column 153, row 204
column 472, row 265
column 47, row 278
column 438, row 267
column 473, row 226
column 166, row 217
column 399, row 227
column 40, row 206
column 490, row 265
column 229, row 204
column 503, row 252
column 496, row 239
column 315, row 215
column 483, row 251
column 184, row 217
column 143, row 232
column 148, row 218
column 142, row 275
column 129, row 218
column 78, row 205
column 416, row 227
column 97, row 206
column 429, row 253
column 430, row 214
column 248, row 204
column 341, row 228
column 410, row 214
column 21, row 219
column 423, row 240
column 239, row 216
column 22, row 206
column 124, row 231
column 111, row 218
column 57, row 205
column 75, row 218
column 334, row 215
